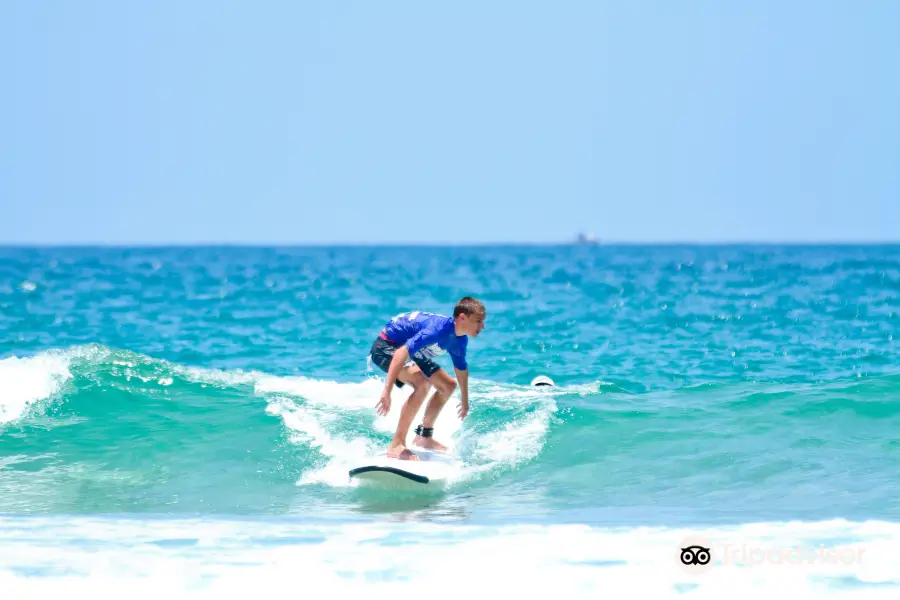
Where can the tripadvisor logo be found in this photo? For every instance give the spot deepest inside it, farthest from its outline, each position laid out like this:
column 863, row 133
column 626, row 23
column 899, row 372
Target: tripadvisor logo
column 696, row 555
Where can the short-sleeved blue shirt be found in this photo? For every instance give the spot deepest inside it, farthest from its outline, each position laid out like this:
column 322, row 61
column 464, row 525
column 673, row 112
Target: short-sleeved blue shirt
column 427, row 335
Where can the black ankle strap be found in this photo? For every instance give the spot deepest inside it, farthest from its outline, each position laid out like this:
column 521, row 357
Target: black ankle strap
column 424, row 431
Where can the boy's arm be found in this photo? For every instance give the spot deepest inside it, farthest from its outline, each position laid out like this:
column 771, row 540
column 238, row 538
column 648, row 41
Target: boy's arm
column 400, row 356
column 462, row 376
column 384, row 403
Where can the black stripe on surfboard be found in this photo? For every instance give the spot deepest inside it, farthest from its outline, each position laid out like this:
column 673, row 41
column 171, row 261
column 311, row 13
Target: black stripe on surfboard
column 395, row 471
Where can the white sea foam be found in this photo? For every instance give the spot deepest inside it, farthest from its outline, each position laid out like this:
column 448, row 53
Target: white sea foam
column 112, row 558
column 26, row 381
column 319, row 412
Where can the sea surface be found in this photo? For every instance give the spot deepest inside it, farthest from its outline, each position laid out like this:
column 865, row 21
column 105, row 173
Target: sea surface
column 179, row 422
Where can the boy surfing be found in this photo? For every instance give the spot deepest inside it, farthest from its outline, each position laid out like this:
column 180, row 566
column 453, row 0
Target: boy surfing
column 404, row 350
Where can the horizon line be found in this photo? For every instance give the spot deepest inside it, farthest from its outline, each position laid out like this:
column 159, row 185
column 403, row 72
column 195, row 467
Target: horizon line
column 433, row 244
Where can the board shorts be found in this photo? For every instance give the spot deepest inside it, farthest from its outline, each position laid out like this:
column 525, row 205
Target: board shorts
column 383, row 353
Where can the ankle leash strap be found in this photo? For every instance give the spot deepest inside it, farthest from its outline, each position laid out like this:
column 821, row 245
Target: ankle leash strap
column 424, row 431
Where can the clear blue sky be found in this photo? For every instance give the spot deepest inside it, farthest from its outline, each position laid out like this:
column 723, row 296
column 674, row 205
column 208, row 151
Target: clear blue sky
column 463, row 122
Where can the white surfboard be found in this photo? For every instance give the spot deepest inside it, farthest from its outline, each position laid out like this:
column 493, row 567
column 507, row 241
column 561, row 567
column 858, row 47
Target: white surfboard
column 433, row 469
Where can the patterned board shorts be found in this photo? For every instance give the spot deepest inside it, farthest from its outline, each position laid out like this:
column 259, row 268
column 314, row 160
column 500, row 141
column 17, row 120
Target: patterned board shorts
column 383, row 352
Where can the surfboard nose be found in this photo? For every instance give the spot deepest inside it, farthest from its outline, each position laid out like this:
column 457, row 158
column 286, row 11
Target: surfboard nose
column 542, row 380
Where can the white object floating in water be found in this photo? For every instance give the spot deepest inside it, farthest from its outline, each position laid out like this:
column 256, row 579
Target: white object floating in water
column 542, row 380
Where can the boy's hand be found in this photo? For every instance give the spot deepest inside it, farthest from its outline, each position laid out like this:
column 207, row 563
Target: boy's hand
column 384, row 404
column 463, row 409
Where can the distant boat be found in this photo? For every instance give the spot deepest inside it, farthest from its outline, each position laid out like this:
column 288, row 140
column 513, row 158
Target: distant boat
column 587, row 238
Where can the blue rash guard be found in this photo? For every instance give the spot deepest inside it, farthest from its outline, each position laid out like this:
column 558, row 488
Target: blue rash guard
column 427, row 335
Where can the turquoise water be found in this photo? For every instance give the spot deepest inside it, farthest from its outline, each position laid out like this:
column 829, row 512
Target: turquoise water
column 750, row 393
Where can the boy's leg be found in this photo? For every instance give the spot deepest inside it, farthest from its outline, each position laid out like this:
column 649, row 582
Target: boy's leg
column 444, row 387
column 413, row 376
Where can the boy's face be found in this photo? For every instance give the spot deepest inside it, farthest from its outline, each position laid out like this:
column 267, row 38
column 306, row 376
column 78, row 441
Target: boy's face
column 472, row 324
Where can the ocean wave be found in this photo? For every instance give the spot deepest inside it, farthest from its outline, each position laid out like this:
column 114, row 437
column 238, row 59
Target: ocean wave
column 136, row 418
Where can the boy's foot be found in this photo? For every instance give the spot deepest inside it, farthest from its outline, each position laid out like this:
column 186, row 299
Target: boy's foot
column 401, row 452
column 428, row 443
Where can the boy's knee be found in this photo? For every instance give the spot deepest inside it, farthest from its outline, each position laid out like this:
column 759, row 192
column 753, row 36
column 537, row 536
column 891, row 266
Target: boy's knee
column 449, row 387
column 419, row 392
